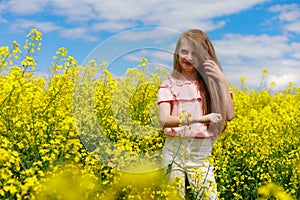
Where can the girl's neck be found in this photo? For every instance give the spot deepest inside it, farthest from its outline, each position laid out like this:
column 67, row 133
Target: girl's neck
column 189, row 76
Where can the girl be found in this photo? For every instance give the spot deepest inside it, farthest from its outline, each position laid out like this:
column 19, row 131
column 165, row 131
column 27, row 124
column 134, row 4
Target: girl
column 194, row 105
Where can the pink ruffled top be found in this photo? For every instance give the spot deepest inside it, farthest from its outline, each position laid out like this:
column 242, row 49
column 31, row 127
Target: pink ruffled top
column 184, row 97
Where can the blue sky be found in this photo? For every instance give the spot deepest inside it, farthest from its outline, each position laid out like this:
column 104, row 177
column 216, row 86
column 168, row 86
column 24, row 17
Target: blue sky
column 248, row 35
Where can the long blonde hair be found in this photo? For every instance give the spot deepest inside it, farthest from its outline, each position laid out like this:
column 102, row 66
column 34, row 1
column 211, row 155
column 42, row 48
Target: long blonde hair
column 212, row 92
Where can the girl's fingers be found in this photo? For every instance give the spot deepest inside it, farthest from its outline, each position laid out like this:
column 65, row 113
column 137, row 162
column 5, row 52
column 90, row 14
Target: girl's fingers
column 213, row 76
column 210, row 63
column 212, row 70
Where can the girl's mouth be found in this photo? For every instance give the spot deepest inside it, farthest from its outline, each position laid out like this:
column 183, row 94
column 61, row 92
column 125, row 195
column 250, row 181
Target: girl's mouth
column 188, row 63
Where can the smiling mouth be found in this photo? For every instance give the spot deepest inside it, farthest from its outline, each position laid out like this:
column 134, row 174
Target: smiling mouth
column 188, row 63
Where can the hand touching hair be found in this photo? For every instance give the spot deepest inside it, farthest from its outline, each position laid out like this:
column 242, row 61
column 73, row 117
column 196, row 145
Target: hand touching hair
column 211, row 78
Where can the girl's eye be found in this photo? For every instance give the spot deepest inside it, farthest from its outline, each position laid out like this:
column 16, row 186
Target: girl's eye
column 183, row 51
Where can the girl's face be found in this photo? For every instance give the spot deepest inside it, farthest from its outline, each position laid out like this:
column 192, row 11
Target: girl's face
column 188, row 59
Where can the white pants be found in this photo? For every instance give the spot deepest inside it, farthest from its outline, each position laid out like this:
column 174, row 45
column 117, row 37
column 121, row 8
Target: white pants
column 188, row 157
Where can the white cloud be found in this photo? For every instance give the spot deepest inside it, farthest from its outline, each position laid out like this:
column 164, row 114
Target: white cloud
column 26, row 7
column 155, row 55
column 48, row 26
column 44, row 27
column 233, row 74
column 233, row 46
column 281, row 76
column 162, row 57
column 289, row 16
column 152, row 34
column 124, row 10
column 247, row 55
column 3, row 8
column 293, row 27
column 118, row 15
column 2, row 20
column 181, row 15
column 282, row 81
column 287, row 12
column 295, row 50
column 112, row 26
column 76, row 11
column 77, row 33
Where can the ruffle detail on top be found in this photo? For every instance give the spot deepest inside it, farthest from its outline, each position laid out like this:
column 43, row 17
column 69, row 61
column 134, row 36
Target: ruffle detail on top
column 184, row 96
column 178, row 90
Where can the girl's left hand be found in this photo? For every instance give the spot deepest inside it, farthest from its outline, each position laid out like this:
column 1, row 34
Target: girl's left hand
column 213, row 70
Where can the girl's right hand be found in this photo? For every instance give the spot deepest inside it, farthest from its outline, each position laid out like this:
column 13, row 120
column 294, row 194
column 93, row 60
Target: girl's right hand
column 211, row 118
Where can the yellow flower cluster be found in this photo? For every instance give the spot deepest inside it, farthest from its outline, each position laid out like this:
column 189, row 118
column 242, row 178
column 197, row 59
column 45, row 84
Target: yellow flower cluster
column 84, row 134
column 261, row 145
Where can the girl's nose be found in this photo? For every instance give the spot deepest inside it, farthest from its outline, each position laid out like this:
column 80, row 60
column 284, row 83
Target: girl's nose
column 189, row 57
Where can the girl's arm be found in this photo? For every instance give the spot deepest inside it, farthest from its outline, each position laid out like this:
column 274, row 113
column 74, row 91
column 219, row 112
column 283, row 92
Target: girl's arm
column 165, row 117
column 167, row 120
